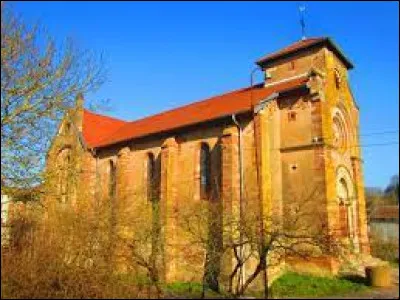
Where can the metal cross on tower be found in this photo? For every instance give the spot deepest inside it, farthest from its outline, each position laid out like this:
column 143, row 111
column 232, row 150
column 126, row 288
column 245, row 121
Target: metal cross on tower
column 302, row 9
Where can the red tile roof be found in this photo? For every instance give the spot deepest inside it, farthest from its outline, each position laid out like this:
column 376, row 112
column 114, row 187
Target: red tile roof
column 96, row 127
column 100, row 131
column 386, row 212
column 303, row 45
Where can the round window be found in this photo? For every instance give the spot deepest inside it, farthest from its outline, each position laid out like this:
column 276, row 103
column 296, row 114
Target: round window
column 339, row 132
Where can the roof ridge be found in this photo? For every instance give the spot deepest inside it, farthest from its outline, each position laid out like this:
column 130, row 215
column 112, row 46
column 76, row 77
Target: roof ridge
column 104, row 116
column 195, row 112
column 291, row 45
column 237, row 91
column 130, row 123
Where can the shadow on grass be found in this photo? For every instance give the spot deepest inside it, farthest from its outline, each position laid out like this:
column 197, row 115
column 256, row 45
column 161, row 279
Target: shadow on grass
column 356, row 279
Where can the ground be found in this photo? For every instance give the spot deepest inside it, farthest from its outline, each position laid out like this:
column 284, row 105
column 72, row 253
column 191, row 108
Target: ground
column 297, row 286
column 375, row 293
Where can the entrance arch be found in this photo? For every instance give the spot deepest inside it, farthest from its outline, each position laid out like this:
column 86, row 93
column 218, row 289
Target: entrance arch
column 346, row 197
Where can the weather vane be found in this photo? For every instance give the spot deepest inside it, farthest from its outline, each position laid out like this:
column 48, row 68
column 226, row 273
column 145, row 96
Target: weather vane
column 302, row 9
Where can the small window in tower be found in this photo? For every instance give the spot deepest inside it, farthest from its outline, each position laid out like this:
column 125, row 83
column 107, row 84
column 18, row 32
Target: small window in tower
column 293, row 167
column 292, row 65
column 292, row 116
column 338, row 78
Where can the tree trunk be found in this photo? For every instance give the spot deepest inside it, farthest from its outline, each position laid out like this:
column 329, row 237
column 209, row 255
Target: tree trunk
column 232, row 276
column 265, row 279
column 253, row 276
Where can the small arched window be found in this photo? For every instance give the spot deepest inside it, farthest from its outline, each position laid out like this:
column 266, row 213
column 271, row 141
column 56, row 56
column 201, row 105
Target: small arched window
column 112, row 179
column 205, row 171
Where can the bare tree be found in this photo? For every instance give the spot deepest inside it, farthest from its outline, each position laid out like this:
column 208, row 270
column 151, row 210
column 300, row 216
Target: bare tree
column 39, row 82
column 301, row 234
column 202, row 223
column 140, row 227
column 266, row 240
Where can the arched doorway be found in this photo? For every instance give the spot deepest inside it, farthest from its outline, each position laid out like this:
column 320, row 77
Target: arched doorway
column 346, row 198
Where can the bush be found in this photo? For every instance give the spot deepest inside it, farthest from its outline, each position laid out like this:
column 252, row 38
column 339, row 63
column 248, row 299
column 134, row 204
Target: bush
column 62, row 254
column 296, row 285
column 386, row 250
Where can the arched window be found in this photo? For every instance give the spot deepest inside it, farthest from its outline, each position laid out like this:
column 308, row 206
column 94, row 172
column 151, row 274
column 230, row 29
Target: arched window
column 153, row 178
column 205, row 171
column 112, row 180
column 64, row 178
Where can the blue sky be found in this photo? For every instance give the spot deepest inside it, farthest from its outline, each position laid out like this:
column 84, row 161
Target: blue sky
column 161, row 55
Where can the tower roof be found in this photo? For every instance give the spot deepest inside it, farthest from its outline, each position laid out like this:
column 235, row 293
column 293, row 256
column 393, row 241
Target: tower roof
column 303, row 45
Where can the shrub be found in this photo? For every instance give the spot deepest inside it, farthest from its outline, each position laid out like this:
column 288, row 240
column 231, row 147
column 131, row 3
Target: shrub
column 65, row 255
column 296, row 285
column 386, row 250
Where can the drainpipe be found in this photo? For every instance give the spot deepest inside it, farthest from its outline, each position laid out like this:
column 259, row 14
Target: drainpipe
column 97, row 180
column 241, row 204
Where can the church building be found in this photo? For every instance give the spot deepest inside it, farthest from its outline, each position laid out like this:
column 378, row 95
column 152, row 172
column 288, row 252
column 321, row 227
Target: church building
column 293, row 136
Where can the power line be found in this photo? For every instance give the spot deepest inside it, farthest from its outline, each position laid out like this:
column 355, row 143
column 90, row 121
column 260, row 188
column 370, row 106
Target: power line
column 380, row 132
column 388, row 143
column 379, row 144
column 369, row 134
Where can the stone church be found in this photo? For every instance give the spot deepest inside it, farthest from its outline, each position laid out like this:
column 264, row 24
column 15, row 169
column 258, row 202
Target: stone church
column 264, row 145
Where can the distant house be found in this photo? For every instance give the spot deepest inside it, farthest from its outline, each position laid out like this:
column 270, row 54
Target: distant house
column 5, row 200
column 17, row 201
column 384, row 222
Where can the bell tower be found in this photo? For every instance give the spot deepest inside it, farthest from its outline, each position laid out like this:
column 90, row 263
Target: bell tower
column 319, row 135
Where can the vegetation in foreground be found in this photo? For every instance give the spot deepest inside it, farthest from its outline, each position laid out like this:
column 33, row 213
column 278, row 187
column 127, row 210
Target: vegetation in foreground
column 297, row 285
column 289, row 285
column 386, row 250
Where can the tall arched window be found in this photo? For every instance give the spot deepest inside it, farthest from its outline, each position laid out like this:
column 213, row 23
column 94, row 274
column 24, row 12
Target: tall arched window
column 64, row 178
column 112, row 180
column 153, row 178
column 205, row 171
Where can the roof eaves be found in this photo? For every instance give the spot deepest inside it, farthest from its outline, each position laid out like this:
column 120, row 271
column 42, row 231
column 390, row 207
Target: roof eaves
column 106, row 144
column 318, row 42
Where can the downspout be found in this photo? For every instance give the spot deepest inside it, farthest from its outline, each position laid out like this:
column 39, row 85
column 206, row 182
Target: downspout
column 241, row 204
column 97, row 187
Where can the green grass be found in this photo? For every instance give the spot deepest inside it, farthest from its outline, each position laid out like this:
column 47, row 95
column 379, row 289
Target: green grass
column 296, row 285
column 188, row 290
column 394, row 264
column 290, row 285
